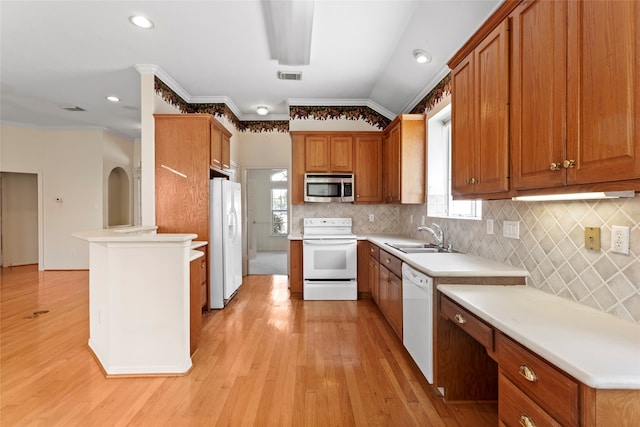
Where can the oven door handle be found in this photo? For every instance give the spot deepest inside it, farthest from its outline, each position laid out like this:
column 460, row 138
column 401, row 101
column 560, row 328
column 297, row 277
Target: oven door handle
column 330, row 242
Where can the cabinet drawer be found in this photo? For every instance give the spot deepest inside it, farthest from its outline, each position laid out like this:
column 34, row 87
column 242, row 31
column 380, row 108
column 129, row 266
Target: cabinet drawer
column 392, row 263
column 549, row 387
column 468, row 322
column 374, row 251
column 515, row 409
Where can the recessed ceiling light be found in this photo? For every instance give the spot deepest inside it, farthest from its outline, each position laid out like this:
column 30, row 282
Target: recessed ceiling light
column 262, row 110
column 422, row 57
column 141, row 21
column 113, row 98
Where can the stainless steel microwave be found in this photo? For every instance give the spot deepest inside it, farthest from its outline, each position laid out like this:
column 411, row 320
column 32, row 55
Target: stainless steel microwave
column 328, row 187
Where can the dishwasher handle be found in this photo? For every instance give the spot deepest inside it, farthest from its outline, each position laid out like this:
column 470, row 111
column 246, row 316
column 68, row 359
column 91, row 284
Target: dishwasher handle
column 416, row 277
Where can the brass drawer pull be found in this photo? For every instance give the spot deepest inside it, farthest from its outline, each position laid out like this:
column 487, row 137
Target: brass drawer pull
column 567, row 164
column 555, row 166
column 460, row 319
column 528, row 373
column 526, row 421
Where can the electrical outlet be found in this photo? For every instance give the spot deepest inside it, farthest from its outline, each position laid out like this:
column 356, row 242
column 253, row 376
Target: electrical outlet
column 489, row 226
column 411, row 219
column 511, row 229
column 620, row 239
column 371, row 218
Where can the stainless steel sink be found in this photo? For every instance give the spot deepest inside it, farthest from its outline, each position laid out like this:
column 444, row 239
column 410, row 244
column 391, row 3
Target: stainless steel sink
column 414, row 248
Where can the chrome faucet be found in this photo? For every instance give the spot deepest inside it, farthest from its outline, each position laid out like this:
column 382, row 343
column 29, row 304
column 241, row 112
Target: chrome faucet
column 438, row 237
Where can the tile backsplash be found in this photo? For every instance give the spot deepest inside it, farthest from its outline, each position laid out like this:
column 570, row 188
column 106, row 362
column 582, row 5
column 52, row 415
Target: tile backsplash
column 551, row 244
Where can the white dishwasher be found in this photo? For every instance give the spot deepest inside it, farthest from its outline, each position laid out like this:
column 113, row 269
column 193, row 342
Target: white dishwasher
column 417, row 318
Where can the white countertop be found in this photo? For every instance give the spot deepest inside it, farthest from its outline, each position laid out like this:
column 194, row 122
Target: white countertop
column 596, row 348
column 132, row 234
column 194, row 255
column 448, row 264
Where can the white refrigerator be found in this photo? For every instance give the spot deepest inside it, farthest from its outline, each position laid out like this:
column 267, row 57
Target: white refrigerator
column 225, row 251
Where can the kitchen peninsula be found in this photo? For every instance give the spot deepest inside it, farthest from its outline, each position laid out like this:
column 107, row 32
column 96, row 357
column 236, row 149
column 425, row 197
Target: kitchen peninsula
column 139, row 300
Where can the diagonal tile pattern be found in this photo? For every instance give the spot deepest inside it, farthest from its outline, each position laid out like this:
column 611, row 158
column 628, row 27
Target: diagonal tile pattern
column 551, row 244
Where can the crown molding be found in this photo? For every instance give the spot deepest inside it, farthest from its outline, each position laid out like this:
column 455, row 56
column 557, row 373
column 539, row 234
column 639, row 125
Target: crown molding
column 166, row 79
column 442, row 72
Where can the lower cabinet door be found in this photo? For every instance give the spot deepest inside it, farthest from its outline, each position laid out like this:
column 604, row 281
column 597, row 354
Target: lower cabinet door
column 516, row 409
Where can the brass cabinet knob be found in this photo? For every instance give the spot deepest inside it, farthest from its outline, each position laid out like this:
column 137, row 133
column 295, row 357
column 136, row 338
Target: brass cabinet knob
column 555, row 166
column 526, row 421
column 528, row 373
column 568, row 164
column 460, row 319
column 471, row 181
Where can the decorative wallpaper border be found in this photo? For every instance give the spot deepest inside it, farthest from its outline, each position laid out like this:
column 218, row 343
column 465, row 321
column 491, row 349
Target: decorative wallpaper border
column 337, row 112
column 301, row 112
column 436, row 94
column 218, row 110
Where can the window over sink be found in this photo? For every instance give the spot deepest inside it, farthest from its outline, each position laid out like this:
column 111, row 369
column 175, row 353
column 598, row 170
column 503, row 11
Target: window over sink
column 439, row 200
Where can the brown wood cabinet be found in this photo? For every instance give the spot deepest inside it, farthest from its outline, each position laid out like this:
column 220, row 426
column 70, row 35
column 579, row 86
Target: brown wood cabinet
column 538, row 93
column 198, row 282
column 340, row 152
column 598, row 105
column 404, row 160
column 183, row 155
column 220, row 146
column 295, row 268
column 480, row 118
column 572, row 94
column 367, row 168
column 364, row 291
column 532, row 391
column 390, row 290
column 328, row 153
column 553, row 390
column 374, row 272
column 182, row 173
column 603, row 120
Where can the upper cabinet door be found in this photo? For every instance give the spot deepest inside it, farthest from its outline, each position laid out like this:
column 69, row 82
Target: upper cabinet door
column 603, row 121
column 341, row 153
column 368, row 169
column 538, row 94
column 492, row 116
column 316, row 148
column 463, row 129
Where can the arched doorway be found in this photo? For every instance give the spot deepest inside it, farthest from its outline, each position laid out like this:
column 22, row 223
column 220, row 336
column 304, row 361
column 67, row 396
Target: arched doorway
column 119, row 199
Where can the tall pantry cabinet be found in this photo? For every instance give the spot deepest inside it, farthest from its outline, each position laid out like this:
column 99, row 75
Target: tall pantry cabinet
column 184, row 144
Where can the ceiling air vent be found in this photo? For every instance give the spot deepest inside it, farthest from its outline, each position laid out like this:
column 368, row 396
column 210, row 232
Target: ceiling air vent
column 290, row 75
column 73, row 108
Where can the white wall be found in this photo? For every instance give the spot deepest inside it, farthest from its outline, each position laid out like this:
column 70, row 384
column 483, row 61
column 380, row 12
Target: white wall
column 70, row 164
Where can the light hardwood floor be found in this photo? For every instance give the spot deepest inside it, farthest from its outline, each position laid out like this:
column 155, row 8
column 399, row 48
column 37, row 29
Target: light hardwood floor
column 264, row 360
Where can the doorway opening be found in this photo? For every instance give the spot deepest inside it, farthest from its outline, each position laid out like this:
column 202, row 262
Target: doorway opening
column 268, row 221
column 18, row 219
column 118, row 201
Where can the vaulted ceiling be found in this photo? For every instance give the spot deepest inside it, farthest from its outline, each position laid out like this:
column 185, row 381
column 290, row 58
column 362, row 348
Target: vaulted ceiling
column 75, row 53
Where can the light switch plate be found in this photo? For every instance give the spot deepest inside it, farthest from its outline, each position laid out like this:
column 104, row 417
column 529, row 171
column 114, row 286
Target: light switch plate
column 511, row 229
column 592, row 238
column 489, row 226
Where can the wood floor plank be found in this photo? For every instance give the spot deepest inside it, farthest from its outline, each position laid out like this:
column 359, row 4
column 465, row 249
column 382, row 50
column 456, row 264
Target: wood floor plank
column 265, row 360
